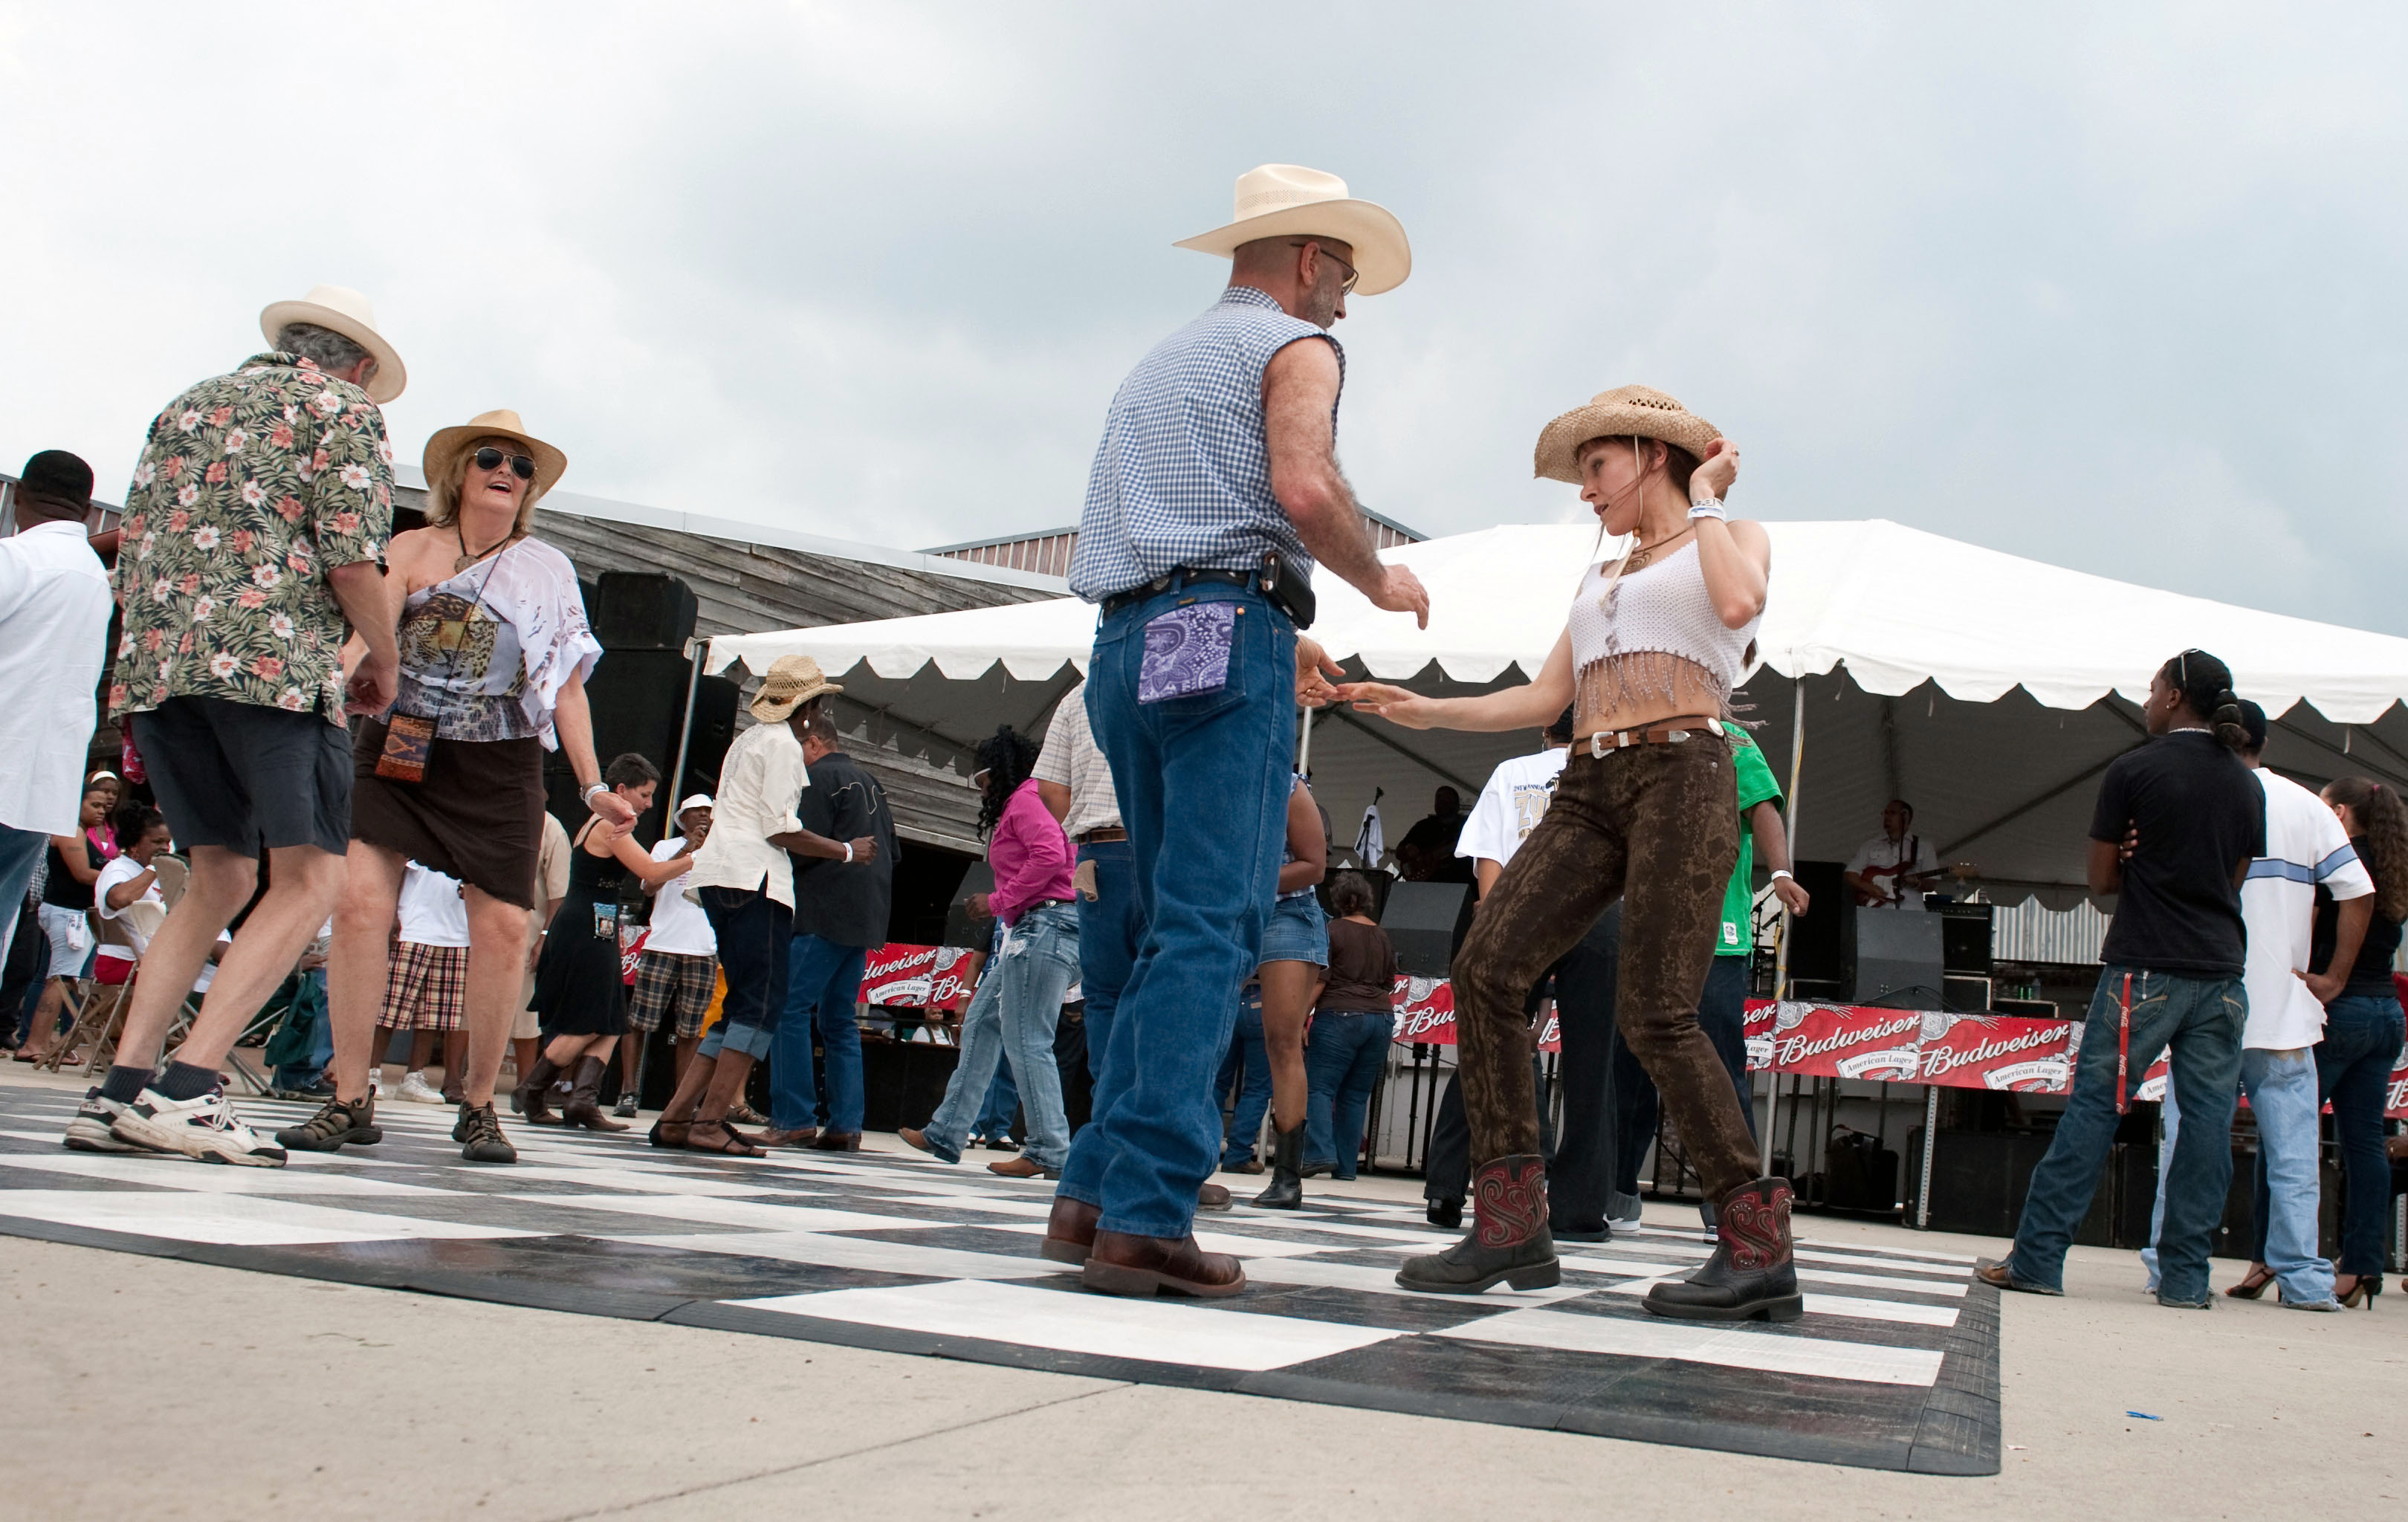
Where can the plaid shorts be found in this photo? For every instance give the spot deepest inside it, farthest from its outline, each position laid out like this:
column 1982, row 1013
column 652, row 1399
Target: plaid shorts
column 668, row 983
column 426, row 987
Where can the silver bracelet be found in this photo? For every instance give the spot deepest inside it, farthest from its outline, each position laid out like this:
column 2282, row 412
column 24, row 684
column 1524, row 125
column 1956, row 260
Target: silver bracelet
column 1710, row 507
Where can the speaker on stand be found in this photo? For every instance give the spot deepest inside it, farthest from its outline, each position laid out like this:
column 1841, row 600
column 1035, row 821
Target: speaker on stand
column 638, row 694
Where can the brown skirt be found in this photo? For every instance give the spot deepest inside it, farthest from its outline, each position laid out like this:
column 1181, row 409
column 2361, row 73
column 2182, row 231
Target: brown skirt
column 477, row 816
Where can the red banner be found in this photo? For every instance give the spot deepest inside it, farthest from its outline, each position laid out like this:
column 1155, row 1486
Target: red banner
column 916, row 977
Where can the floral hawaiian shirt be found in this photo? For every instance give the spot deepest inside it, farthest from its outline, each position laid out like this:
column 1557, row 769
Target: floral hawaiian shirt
column 251, row 487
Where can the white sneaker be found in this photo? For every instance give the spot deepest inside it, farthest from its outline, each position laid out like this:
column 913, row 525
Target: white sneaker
column 415, row 1088
column 89, row 1131
column 206, row 1129
column 376, row 1083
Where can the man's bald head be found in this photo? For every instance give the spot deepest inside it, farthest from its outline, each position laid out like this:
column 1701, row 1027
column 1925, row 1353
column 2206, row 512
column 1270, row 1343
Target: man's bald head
column 1305, row 273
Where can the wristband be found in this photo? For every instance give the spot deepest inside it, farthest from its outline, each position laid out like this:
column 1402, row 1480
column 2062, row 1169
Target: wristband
column 1710, row 507
column 848, row 851
column 1780, row 872
column 586, row 796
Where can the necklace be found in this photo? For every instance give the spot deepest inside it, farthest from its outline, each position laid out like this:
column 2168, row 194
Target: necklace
column 465, row 559
column 1645, row 553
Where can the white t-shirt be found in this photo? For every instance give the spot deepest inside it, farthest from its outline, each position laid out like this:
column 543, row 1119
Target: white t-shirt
column 209, row 970
column 139, row 919
column 433, row 912
column 2305, row 845
column 679, row 925
column 1881, row 853
column 1511, row 806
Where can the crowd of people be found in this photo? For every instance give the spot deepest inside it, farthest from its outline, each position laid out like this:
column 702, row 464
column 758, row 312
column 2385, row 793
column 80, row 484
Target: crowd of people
column 344, row 731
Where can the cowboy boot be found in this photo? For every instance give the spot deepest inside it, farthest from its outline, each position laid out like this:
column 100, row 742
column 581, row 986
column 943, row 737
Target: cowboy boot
column 1509, row 1238
column 586, row 1100
column 528, row 1097
column 1287, row 1177
column 1750, row 1277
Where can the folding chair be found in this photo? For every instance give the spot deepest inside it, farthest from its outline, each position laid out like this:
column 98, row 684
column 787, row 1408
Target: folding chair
column 98, row 1013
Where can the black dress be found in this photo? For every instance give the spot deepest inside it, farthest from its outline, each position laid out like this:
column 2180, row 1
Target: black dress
column 579, row 989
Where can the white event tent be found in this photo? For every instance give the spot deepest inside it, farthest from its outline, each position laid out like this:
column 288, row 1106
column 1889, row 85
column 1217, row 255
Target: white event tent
column 1987, row 689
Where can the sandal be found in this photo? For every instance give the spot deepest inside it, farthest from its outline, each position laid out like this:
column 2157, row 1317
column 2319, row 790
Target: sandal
column 733, row 1146
column 2254, row 1284
column 670, row 1133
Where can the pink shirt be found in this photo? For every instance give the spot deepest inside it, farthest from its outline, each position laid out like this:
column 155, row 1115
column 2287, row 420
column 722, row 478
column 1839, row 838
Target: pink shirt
column 1030, row 854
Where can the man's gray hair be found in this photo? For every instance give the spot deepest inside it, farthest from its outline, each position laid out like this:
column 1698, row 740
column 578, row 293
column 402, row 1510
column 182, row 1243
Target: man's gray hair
column 821, row 726
column 320, row 346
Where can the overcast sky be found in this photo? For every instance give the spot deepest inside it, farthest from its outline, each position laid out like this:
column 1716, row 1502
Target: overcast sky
column 2113, row 287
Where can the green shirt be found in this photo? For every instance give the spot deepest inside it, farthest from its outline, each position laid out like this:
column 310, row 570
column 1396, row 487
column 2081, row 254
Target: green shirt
column 1756, row 785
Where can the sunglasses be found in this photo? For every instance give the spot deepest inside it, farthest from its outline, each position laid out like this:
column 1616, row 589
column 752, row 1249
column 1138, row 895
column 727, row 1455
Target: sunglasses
column 1345, row 286
column 490, row 458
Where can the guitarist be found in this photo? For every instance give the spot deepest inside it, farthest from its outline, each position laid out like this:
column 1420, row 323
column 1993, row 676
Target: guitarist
column 1894, row 869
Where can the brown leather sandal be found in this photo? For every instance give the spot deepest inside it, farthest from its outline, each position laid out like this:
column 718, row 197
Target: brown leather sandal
column 735, row 1144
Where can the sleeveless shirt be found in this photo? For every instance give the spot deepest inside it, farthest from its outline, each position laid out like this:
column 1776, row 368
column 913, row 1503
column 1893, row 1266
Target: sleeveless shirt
column 1182, row 476
column 1630, row 642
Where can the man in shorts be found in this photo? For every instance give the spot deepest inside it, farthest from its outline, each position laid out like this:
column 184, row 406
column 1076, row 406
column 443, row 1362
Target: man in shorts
column 426, row 987
column 249, row 549
column 680, row 969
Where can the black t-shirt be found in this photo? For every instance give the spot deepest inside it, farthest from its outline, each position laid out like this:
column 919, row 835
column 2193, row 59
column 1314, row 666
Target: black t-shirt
column 839, row 901
column 1435, row 836
column 2372, row 973
column 2201, row 815
column 61, row 890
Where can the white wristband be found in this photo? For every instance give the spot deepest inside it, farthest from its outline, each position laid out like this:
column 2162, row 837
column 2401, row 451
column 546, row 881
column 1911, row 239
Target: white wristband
column 848, row 850
column 587, row 796
column 1780, row 872
column 1710, row 507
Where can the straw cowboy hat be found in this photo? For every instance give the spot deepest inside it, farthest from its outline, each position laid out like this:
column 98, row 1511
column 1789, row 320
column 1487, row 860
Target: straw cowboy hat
column 341, row 309
column 445, row 450
column 793, row 680
column 1275, row 198
column 1618, row 413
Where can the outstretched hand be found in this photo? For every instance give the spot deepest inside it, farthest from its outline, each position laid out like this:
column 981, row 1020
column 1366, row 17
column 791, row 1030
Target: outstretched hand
column 1392, row 703
column 1402, row 592
column 1314, row 669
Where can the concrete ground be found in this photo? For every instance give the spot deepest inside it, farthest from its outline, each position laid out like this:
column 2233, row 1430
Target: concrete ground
column 169, row 1390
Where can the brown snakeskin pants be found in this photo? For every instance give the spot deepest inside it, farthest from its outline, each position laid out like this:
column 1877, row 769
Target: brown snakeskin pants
column 1656, row 826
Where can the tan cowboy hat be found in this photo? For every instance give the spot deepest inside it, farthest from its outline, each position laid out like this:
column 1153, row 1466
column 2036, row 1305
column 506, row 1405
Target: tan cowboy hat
column 444, row 451
column 1275, row 198
column 341, row 309
column 793, row 680
column 1618, row 413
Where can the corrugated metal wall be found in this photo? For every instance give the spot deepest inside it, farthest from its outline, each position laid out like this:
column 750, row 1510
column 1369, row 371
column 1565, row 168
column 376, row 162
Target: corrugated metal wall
column 2028, row 932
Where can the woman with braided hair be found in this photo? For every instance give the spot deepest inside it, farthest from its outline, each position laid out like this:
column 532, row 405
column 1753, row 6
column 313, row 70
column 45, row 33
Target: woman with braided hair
column 2178, row 822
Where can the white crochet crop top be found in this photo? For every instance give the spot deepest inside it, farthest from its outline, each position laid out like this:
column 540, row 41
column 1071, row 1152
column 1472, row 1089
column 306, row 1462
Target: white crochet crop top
column 1631, row 639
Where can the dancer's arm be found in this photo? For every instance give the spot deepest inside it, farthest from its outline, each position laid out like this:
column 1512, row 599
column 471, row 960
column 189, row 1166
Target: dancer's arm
column 1304, row 842
column 1299, row 422
column 650, row 873
column 1527, row 707
column 1735, row 558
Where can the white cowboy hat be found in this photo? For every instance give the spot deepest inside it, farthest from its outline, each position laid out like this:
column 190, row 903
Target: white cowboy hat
column 1275, row 198
column 441, row 461
column 344, row 311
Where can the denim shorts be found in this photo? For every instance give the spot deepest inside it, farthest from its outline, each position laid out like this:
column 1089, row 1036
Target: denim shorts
column 1297, row 932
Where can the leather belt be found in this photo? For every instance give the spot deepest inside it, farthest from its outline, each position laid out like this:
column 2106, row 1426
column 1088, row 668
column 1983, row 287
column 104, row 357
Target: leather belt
column 1179, row 576
column 1670, row 732
column 1102, row 834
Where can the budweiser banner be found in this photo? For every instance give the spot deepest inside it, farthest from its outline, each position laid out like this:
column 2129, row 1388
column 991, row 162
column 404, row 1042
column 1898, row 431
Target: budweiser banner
column 917, row 977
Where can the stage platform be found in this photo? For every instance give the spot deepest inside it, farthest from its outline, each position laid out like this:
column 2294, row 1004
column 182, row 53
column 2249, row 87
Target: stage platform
column 1894, row 1367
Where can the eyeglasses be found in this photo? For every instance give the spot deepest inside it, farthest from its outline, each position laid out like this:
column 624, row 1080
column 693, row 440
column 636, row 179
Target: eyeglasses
column 490, row 458
column 1346, row 286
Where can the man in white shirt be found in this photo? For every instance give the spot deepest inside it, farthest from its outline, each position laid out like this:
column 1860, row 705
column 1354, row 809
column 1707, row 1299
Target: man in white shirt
column 54, row 607
column 2306, row 848
column 1897, row 867
column 425, row 991
column 680, row 969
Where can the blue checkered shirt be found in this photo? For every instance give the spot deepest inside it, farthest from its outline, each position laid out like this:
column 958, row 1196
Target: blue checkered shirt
column 1183, row 476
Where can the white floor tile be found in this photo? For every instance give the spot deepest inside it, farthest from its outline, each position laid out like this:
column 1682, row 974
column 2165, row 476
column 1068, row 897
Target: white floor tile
column 163, row 1173
column 231, row 1220
column 1905, row 1313
column 839, row 1251
column 1374, row 1281
column 1689, row 1342
column 1158, row 1331
column 756, row 1214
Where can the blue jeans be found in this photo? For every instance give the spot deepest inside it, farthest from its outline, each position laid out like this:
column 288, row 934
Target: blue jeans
column 755, row 933
column 2282, row 1095
column 1343, row 1057
column 2201, row 1020
column 20, row 856
column 822, row 979
column 309, row 1004
column 1022, row 994
column 1249, row 1062
column 1002, row 1104
column 1203, row 784
column 1109, row 929
column 2354, row 1062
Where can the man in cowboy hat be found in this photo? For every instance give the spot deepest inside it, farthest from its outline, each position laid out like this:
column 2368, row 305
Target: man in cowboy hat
column 252, row 529
column 1215, row 490
column 744, row 880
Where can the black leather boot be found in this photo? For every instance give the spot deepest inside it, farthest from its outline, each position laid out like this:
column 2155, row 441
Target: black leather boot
column 528, row 1097
column 1509, row 1240
column 585, row 1099
column 1287, row 1179
column 1751, row 1277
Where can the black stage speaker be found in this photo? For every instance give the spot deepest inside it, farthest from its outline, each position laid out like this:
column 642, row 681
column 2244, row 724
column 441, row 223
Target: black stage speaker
column 641, row 611
column 960, row 929
column 637, row 697
column 707, row 741
column 1894, row 956
column 1965, row 938
column 1425, row 922
column 1815, row 940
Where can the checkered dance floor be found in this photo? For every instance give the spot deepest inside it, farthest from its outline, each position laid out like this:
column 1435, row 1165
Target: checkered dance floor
column 1894, row 1366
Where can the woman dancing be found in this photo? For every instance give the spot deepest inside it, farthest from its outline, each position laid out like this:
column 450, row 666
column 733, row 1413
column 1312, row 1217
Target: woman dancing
column 1654, row 645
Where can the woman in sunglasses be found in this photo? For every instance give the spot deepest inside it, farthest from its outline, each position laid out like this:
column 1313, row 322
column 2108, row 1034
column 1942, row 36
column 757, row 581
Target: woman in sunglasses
column 495, row 651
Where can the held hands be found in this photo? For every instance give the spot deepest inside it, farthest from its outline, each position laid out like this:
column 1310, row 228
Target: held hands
column 1314, row 667
column 1717, row 469
column 612, row 808
column 1394, row 704
column 373, row 684
column 1793, row 897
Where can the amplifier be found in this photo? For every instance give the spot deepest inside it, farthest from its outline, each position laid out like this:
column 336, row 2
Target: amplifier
column 1425, row 922
column 1965, row 937
column 641, row 611
column 1894, row 956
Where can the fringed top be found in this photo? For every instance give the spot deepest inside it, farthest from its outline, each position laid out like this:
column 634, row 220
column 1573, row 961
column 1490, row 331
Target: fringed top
column 1637, row 636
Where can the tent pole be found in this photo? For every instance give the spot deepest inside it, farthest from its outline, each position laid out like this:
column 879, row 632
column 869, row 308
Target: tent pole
column 694, row 650
column 1781, row 947
column 1304, row 744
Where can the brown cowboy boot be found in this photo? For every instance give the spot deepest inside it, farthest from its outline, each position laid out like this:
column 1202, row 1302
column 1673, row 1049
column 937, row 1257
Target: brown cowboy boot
column 586, row 1100
column 1509, row 1239
column 1751, row 1277
column 528, row 1097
